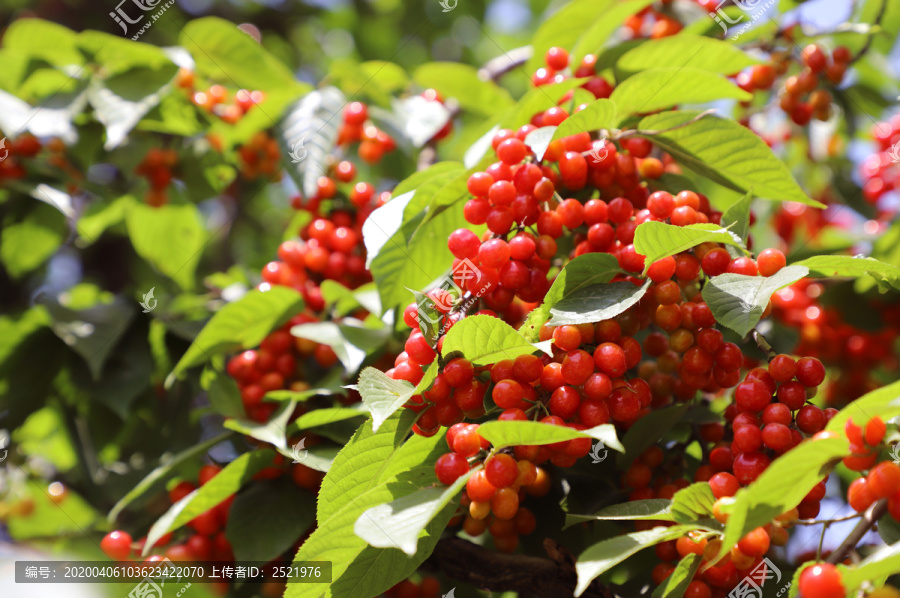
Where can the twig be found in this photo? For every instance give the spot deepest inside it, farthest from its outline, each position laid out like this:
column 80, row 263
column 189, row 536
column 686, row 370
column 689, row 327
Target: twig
column 763, row 344
column 497, row 67
column 869, row 518
column 633, row 132
column 871, row 35
column 826, row 521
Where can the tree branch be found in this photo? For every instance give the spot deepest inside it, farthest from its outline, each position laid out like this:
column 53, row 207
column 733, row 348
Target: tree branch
column 869, row 518
column 497, row 67
column 552, row 577
column 871, row 35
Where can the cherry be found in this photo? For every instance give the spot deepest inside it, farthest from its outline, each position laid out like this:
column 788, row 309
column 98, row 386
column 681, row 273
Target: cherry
column 770, row 261
column 458, row 372
column 116, row 545
column 501, row 470
column 610, row 359
column 810, row 372
column 884, row 480
column 557, row 58
column 755, row 543
column 450, row 467
column 822, row 580
column 479, row 488
column 723, row 484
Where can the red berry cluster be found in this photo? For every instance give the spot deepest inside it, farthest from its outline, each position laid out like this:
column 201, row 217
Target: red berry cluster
column 373, row 142
column 880, row 171
column 260, row 157
column 215, row 99
column 158, row 167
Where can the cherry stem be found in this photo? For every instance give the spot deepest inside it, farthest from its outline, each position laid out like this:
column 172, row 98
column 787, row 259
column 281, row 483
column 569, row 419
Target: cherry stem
column 871, row 35
column 763, row 344
column 868, row 521
column 826, row 521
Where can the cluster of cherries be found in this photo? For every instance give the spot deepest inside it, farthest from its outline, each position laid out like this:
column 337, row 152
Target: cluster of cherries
column 879, row 171
column 825, row 333
column 357, row 128
column 27, row 147
column 260, row 157
column 159, row 167
column 215, row 99
column 205, row 539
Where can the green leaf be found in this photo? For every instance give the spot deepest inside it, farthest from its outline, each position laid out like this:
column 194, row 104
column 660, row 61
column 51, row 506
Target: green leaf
column 272, row 431
column 400, row 522
column 309, row 133
column 853, row 267
column 163, row 470
column 480, row 148
column 603, row 556
column 599, row 114
column 29, row 37
column 647, row 431
column 677, row 583
column 596, row 303
column 461, row 81
column 120, row 102
column 584, row 270
column 367, row 474
column 656, row 240
column 685, row 50
column 880, row 564
column 383, row 395
column 659, row 88
column 737, row 217
column 228, row 481
column 415, row 257
column 223, row 393
column 565, row 27
column 98, row 217
column 538, row 100
column 513, row 433
column 91, row 329
column 883, row 402
column 351, row 343
column 241, row 325
column 170, row 237
column 229, row 56
column 27, row 244
column 781, row 486
column 323, row 417
column 601, row 29
column 693, row 503
column 725, row 152
column 737, row 301
column 654, row 509
column 267, row 518
column 486, row 339
column 362, row 461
